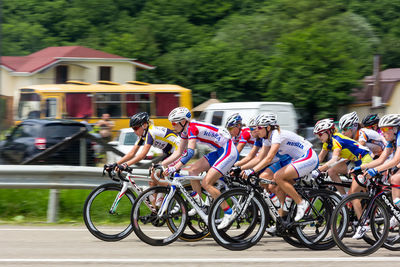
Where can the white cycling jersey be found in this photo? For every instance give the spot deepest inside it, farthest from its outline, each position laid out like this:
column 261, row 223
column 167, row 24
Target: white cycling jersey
column 291, row 144
column 371, row 138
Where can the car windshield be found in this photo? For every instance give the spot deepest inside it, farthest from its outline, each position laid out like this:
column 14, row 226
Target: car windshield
column 130, row 139
column 60, row 130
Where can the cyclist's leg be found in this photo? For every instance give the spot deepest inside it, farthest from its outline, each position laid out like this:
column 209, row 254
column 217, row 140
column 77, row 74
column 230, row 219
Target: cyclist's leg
column 228, row 155
column 195, row 169
column 333, row 172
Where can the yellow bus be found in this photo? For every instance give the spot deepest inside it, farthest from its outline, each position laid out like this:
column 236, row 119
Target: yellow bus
column 84, row 101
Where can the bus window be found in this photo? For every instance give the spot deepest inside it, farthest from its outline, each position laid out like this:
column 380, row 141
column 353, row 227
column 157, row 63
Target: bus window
column 165, row 102
column 139, row 102
column 109, row 103
column 29, row 106
column 78, row 105
column 51, row 108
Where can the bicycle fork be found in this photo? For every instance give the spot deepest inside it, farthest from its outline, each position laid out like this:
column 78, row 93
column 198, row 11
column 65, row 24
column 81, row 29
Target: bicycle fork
column 118, row 198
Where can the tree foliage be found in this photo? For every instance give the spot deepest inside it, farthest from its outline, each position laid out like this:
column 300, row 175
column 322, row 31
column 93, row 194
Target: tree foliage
column 309, row 52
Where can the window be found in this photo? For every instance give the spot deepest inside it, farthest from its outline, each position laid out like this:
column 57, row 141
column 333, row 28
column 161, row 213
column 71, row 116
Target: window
column 130, row 139
column 109, row 103
column 165, row 102
column 51, row 107
column 24, row 130
column 217, row 118
column 61, row 74
column 79, row 105
column 105, row 73
column 29, row 106
column 203, row 116
column 137, row 103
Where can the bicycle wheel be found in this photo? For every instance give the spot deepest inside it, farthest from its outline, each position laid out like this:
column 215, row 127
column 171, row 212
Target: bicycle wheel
column 374, row 216
column 314, row 229
column 103, row 208
column 152, row 228
column 196, row 229
column 248, row 223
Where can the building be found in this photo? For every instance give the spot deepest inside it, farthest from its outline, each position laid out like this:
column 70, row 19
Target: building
column 59, row 64
column 389, row 93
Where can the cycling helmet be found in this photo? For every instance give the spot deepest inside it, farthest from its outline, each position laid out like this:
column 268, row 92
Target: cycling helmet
column 390, row 120
column 323, row 126
column 233, row 120
column 138, row 119
column 348, row 120
column 266, row 119
column 252, row 122
column 370, row 120
column 178, row 114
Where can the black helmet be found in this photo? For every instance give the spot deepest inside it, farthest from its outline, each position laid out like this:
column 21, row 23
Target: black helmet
column 138, row 119
column 370, row 120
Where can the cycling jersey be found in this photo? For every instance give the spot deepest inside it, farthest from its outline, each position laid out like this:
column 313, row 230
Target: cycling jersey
column 246, row 138
column 205, row 133
column 160, row 137
column 350, row 149
column 371, row 138
column 293, row 149
column 291, row 144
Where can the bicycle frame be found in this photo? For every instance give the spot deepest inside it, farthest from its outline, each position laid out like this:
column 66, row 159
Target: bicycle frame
column 177, row 183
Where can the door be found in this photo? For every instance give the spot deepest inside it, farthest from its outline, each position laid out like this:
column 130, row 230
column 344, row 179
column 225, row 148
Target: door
column 52, row 106
column 19, row 144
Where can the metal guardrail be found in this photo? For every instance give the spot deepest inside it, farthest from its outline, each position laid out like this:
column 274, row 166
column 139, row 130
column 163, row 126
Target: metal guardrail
column 57, row 177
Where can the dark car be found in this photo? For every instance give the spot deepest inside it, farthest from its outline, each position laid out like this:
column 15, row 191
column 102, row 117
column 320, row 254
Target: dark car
column 33, row 136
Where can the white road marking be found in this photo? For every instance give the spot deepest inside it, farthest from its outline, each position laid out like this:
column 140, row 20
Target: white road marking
column 232, row 260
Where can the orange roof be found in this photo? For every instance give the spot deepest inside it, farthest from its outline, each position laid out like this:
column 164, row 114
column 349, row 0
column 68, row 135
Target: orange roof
column 50, row 55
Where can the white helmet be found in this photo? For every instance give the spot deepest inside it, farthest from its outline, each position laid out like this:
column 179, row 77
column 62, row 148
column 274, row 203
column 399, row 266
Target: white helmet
column 348, row 120
column 323, row 126
column 390, row 120
column 266, row 119
column 178, row 114
column 252, row 122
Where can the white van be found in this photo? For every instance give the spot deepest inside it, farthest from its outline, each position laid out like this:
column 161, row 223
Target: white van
column 218, row 113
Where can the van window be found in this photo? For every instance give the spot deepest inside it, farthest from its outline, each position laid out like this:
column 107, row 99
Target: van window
column 202, row 116
column 217, row 118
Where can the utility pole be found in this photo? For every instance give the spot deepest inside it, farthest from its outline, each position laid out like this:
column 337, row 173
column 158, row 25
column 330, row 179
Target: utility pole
column 376, row 92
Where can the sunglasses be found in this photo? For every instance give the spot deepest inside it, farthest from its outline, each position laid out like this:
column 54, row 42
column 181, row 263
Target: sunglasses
column 260, row 127
column 174, row 123
column 136, row 127
column 386, row 129
column 252, row 128
column 320, row 134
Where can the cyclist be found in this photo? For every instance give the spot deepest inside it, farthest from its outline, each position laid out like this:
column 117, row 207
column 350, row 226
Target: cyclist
column 256, row 143
column 216, row 163
column 284, row 144
column 148, row 136
column 350, row 126
column 241, row 136
column 390, row 157
column 342, row 147
column 371, row 136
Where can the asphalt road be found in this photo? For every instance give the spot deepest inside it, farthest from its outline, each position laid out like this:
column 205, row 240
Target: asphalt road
column 74, row 246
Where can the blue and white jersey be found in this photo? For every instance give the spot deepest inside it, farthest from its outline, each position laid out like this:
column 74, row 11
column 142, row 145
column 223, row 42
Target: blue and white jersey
column 291, row 144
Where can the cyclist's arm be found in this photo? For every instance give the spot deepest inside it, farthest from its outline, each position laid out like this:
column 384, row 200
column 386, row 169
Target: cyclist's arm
column 322, row 155
column 379, row 161
column 253, row 162
column 334, row 159
column 267, row 160
column 250, row 156
column 130, row 155
column 140, row 156
column 240, row 146
column 391, row 163
column 189, row 154
column 177, row 153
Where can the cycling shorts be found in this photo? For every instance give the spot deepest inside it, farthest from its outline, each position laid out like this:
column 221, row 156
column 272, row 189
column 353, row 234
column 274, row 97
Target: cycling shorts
column 306, row 164
column 223, row 158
